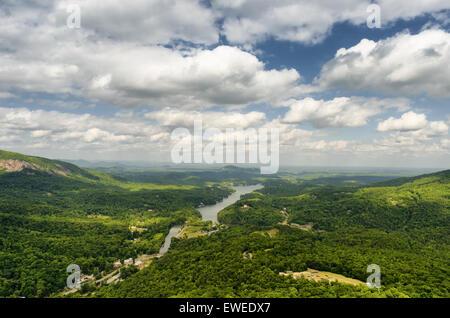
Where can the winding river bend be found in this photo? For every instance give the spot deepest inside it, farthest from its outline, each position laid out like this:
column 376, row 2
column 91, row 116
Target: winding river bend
column 173, row 231
column 209, row 212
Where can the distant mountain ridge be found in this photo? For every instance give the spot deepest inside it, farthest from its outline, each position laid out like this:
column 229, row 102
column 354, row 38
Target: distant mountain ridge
column 13, row 162
column 443, row 175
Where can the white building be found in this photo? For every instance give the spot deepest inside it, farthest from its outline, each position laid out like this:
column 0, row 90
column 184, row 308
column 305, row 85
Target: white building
column 128, row 261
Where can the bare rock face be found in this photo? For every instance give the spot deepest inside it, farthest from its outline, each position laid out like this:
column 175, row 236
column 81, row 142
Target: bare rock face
column 61, row 171
column 19, row 165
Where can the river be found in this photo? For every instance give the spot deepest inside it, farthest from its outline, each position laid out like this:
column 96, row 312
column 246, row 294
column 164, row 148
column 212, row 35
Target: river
column 173, row 231
column 209, row 212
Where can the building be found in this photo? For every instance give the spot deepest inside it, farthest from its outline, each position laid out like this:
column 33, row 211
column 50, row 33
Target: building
column 138, row 263
column 128, row 261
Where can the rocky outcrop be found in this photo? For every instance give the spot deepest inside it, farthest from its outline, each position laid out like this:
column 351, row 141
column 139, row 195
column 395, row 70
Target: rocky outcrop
column 17, row 165
column 20, row 165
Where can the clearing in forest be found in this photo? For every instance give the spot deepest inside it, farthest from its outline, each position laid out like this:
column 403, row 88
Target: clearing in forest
column 319, row 276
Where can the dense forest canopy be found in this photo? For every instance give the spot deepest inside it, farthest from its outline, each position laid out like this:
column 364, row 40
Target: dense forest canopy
column 53, row 214
column 404, row 229
column 49, row 220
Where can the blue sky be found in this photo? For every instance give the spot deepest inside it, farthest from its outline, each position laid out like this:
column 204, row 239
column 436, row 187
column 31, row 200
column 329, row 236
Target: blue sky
column 340, row 92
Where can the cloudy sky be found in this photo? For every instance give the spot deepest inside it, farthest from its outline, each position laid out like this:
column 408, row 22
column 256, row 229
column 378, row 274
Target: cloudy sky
column 341, row 93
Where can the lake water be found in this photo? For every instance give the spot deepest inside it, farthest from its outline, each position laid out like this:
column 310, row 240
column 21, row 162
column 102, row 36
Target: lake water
column 209, row 212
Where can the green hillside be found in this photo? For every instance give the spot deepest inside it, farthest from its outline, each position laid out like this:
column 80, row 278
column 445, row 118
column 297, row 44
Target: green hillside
column 19, row 170
column 403, row 229
column 432, row 177
column 19, row 162
column 53, row 214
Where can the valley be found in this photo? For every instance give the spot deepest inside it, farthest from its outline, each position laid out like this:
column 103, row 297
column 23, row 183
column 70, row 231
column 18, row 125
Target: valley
column 232, row 232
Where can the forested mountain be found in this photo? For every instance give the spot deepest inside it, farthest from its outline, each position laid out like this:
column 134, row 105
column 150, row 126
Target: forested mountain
column 441, row 176
column 53, row 214
column 16, row 162
column 404, row 229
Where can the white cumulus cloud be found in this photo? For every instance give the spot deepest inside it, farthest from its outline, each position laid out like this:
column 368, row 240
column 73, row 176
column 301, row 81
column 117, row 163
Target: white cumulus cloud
column 406, row 64
column 340, row 111
column 415, row 125
column 249, row 21
column 408, row 121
